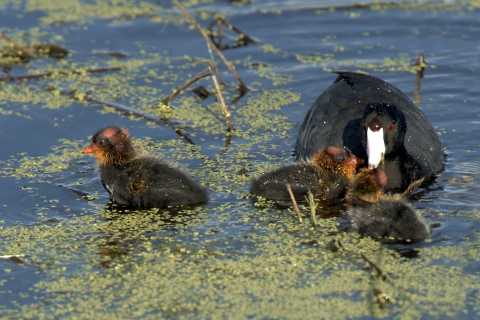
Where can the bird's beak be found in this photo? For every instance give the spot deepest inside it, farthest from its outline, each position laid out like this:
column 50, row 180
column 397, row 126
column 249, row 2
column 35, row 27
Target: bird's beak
column 89, row 149
column 375, row 147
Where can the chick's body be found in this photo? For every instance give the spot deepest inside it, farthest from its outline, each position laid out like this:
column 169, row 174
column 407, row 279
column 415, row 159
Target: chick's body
column 326, row 175
column 378, row 215
column 146, row 182
column 140, row 180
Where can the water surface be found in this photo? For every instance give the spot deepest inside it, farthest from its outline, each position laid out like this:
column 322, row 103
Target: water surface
column 82, row 257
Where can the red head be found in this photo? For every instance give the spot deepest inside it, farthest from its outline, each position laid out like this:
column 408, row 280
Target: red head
column 344, row 156
column 111, row 145
column 368, row 184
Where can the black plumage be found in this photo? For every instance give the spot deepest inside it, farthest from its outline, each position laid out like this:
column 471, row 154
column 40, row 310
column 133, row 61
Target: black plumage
column 140, row 180
column 378, row 215
column 350, row 103
column 326, row 174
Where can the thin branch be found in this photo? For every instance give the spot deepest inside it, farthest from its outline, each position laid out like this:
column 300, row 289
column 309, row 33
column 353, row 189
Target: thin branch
column 16, row 46
column 78, row 193
column 222, row 101
column 374, row 266
column 341, row 246
column 144, row 116
column 219, row 21
column 51, row 49
column 48, row 74
column 215, row 64
column 8, row 256
column 130, row 111
column 420, row 65
column 242, row 34
column 188, row 83
column 203, row 74
column 220, row 32
column 313, row 210
column 381, row 5
column 294, row 203
column 238, row 97
column 209, row 41
column 370, row 262
column 373, row 5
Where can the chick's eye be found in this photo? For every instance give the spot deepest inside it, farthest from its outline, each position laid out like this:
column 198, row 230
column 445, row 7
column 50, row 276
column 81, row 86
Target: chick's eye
column 102, row 142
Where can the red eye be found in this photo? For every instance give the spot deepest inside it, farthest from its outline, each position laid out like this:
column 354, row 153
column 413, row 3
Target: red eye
column 391, row 127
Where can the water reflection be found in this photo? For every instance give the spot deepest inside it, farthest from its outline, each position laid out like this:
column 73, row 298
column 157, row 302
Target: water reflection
column 251, row 256
column 126, row 230
column 420, row 65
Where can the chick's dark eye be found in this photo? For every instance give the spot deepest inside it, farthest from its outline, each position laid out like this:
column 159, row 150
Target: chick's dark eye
column 102, row 142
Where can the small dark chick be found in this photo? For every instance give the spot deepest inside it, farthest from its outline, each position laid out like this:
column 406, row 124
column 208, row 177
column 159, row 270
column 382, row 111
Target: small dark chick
column 383, row 216
column 138, row 180
column 326, row 175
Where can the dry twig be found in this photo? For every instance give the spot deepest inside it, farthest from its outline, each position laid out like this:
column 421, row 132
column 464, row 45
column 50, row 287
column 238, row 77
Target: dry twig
column 209, row 41
column 222, row 101
column 420, row 65
column 370, row 262
column 219, row 21
column 374, row 266
column 130, row 111
column 294, row 203
column 381, row 5
column 217, row 87
column 48, row 74
column 313, row 207
column 188, row 83
column 26, row 55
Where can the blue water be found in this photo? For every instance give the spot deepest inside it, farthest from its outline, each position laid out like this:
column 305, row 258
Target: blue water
column 358, row 40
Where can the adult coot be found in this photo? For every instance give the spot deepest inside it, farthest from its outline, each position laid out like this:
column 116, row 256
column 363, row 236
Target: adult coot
column 138, row 180
column 376, row 121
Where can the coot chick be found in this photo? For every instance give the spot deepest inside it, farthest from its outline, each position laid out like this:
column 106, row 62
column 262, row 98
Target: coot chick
column 382, row 216
column 138, row 180
column 376, row 121
column 326, row 175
